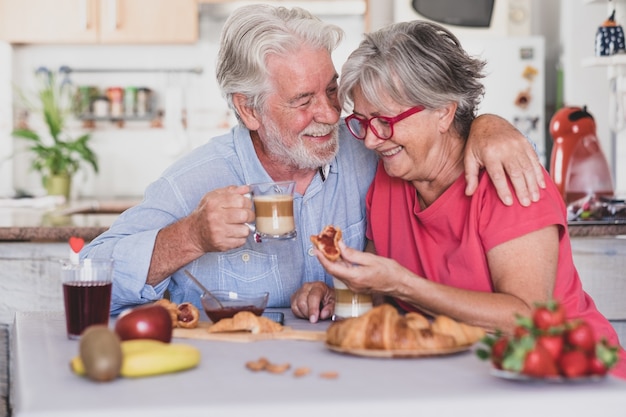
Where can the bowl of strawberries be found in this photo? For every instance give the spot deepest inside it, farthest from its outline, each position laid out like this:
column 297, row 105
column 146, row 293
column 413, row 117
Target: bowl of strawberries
column 547, row 346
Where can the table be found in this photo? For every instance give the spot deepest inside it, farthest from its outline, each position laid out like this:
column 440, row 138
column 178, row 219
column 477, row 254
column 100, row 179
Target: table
column 456, row 385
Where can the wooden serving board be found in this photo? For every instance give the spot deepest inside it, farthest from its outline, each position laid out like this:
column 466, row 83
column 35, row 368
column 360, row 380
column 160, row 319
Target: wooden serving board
column 399, row 353
column 201, row 332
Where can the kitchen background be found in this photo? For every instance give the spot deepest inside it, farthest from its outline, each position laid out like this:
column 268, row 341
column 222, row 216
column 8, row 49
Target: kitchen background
column 181, row 79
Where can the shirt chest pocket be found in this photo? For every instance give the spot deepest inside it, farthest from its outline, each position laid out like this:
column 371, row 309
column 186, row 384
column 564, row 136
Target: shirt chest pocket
column 354, row 235
column 248, row 270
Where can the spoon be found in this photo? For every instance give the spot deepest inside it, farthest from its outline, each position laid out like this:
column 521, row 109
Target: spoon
column 203, row 288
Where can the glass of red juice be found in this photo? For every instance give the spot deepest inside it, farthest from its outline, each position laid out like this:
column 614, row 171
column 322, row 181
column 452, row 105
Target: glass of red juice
column 86, row 293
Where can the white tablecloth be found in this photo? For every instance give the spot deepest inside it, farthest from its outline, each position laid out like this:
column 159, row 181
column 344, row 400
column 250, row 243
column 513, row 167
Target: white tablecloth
column 456, row 385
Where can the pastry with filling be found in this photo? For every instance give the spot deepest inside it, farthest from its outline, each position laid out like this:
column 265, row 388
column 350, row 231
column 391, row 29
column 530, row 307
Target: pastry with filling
column 245, row 321
column 327, row 241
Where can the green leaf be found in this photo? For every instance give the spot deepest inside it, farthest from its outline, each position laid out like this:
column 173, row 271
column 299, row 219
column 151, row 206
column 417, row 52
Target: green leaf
column 26, row 134
column 518, row 348
column 64, row 155
column 607, row 354
column 483, row 354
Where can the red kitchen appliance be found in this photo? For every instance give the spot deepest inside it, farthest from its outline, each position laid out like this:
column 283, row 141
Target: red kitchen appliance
column 577, row 164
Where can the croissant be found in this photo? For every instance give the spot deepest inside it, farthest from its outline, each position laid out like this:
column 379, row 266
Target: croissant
column 383, row 328
column 246, row 321
column 464, row 334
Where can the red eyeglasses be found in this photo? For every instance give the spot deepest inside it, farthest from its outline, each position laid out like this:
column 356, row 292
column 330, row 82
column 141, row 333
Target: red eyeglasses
column 382, row 126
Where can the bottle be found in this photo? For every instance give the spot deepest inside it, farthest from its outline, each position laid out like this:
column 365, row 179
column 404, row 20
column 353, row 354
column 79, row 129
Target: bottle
column 101, row 107
column 130, row 97
column 143, row 102
column 116, row 97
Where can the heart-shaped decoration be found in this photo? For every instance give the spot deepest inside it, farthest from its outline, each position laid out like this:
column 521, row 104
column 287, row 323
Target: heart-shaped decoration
column 76, row 243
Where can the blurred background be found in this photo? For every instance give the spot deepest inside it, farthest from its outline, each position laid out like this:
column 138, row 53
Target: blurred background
column 143, row 74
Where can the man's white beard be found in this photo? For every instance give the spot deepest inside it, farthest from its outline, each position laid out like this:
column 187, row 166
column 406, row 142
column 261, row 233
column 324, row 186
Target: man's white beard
column 299, row 155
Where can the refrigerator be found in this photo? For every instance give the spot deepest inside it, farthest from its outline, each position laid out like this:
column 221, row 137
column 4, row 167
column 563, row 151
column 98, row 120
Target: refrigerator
column 6, row 121
column 515, row 83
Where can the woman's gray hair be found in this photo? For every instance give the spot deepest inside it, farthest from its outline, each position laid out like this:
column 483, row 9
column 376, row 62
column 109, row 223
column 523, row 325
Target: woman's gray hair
column 253, row 32
column 415, row 63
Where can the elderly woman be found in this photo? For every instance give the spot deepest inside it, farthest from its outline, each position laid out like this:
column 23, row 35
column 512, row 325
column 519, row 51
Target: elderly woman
column 415, row 92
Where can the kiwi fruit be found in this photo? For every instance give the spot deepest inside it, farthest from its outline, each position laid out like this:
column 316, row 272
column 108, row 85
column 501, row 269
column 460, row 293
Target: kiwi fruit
column 101, row 353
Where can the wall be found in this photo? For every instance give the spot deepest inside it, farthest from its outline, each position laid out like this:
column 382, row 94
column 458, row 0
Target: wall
column 132, row 157
column 585, row 85
column 6, row 120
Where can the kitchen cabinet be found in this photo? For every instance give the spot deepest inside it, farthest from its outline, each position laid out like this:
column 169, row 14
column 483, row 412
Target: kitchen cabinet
column 600, row 261
column 30, row 278
column 600, row 264
column 99, row 21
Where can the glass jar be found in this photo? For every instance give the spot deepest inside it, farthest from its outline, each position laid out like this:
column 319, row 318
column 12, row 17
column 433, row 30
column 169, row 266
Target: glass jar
column 101, row 107
column 130, row 97
column 116, row 97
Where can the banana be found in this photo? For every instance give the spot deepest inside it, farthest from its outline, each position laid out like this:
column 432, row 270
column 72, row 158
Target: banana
column 76, row 365
column 146, row 357
column 138, row 345
column 160, row 360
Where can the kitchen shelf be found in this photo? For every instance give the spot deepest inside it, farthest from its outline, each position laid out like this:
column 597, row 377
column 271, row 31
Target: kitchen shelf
column 223, row 8
column 69, row 70
column 146, row 118
column 605, row 61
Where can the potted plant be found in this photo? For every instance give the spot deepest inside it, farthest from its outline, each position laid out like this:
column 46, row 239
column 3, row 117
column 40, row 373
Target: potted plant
column 57, row 156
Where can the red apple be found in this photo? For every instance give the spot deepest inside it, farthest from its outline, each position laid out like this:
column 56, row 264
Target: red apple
column 145, row 322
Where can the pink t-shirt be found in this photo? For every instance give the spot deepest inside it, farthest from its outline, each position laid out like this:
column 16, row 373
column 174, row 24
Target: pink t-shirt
column 448, row 242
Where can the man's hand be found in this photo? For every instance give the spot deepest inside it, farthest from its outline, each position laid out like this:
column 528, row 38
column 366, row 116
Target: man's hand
column 314, row 301
column 219, row 222
column 495, row 144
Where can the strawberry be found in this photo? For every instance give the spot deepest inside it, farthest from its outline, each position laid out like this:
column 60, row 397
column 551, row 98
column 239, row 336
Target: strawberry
column 498, row 351
column 495, row 349
column 539, row 363
column 574, row 364
column 580, row 335
column 553, row 343
column 604, row 358
column 530, row 358
column 524, row 326
column 521, row 331
column 547, row 315
column 597, row 367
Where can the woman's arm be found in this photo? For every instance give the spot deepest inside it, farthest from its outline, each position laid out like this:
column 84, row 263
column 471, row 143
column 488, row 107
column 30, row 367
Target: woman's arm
column 523, row 272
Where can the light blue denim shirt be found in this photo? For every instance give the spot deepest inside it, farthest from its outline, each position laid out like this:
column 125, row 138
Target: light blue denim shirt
column 279, row 267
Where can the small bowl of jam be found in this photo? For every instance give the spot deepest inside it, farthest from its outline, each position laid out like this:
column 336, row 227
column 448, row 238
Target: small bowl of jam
column 232, row 303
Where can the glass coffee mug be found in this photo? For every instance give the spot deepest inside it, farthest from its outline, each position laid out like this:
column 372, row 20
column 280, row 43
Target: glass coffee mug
column 273, row 207
column 349, row 304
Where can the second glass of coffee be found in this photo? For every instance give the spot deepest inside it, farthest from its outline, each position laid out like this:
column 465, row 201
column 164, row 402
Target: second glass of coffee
column 349, row 304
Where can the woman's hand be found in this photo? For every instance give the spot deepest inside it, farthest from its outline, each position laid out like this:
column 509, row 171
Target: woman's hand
column 502, row 150
column 364, row 273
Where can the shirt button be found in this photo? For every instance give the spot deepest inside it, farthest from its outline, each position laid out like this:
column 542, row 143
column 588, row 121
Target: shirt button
column 311, row 251
column 245, row 257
